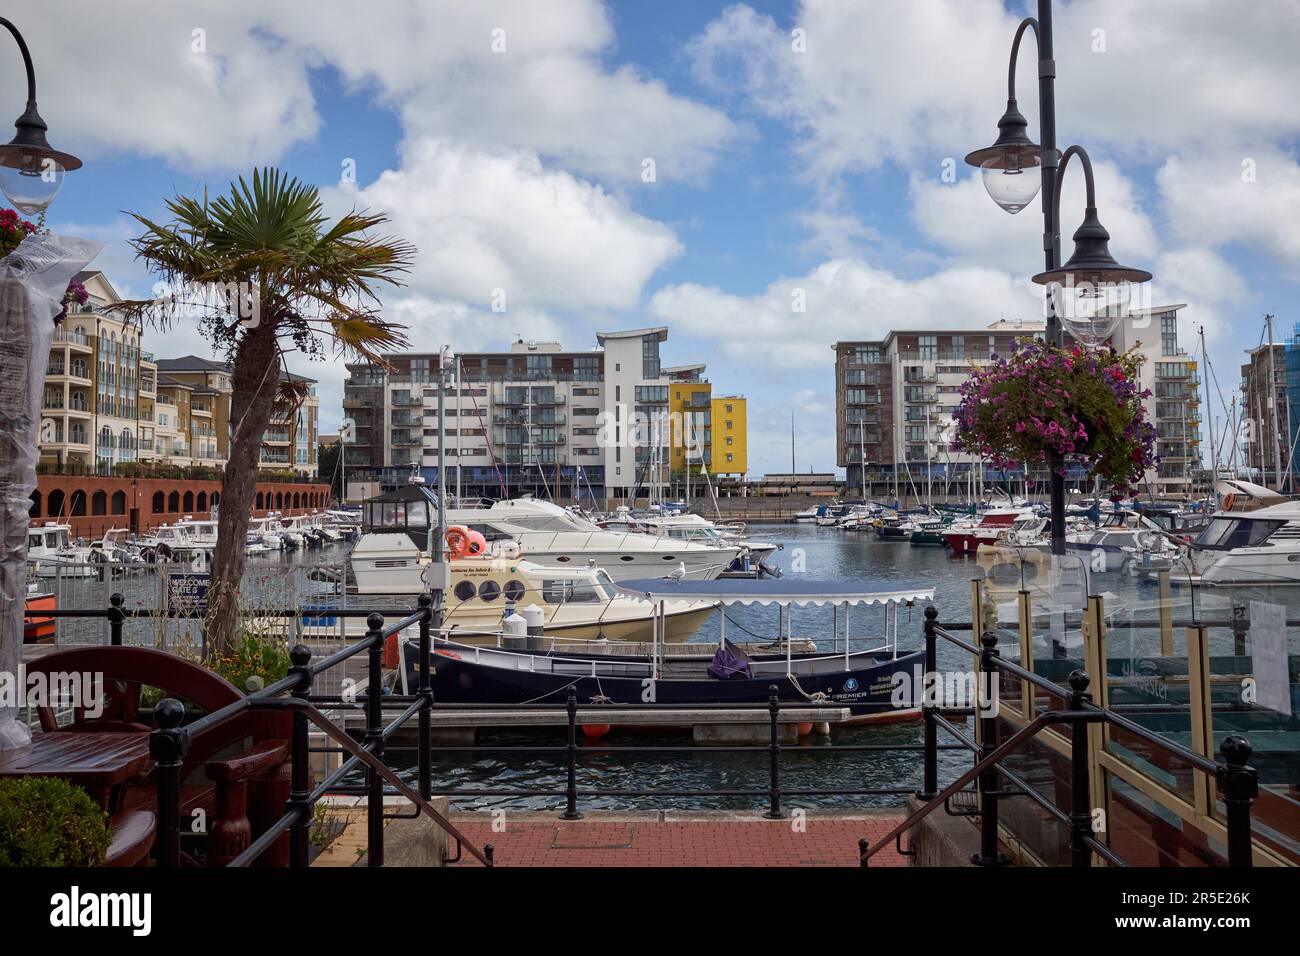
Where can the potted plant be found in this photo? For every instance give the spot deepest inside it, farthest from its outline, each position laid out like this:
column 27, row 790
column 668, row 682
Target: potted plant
column 46, row 821
column 1079, row 402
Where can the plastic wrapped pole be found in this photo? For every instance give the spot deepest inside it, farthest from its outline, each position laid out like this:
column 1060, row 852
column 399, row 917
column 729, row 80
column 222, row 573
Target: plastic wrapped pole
column 33, row 279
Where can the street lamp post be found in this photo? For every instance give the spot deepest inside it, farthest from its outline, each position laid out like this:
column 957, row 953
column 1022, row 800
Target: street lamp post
column 31, row 174
column 1091, row 277
column 31, row 171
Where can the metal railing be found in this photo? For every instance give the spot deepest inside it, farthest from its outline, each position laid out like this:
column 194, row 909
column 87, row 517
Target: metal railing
column 1237, row 781
column 293, row 693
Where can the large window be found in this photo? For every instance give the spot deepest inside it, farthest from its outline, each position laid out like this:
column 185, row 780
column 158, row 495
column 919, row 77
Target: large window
column 928, row 347
column 1169, row 333
column 650, row 358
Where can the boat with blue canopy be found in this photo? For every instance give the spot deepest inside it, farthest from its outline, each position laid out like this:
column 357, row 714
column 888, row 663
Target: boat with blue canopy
column 874, row 683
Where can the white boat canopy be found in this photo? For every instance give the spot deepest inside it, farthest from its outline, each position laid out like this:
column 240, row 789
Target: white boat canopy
column 782, row 591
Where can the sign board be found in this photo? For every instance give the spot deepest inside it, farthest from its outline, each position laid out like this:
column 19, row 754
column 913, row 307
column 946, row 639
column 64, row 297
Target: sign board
column 1268, row 656
column 187, row 594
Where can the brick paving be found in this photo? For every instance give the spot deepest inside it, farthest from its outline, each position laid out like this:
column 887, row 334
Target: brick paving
column 644, row 840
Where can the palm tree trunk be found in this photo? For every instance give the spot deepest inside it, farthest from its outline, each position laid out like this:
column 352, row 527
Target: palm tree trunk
column 255, row 380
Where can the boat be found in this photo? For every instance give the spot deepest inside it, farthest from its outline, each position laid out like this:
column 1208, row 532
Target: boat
column 965, row 537
column 53, row 554
column 577, row 602
column 874, row 685
column 548, row 534
column 38, row 628
column 700, row 530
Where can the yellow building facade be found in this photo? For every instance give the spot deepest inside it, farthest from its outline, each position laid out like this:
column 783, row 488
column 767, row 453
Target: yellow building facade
column 730, row 435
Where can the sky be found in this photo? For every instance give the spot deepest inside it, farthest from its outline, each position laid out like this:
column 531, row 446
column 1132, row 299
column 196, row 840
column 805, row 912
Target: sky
column 710, row 167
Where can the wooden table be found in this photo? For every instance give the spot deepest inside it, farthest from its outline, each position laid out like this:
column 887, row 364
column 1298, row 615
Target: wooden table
column 100, row 763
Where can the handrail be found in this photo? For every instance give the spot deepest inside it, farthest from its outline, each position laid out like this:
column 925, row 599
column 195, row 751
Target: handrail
column 1237, row 782
column 169, row 743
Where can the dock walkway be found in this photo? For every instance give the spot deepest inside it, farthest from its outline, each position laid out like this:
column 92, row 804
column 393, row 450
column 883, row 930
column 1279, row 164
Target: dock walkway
column 609, row 839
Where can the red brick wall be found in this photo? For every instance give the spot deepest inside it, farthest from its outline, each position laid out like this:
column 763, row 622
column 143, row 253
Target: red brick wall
column 129, row 502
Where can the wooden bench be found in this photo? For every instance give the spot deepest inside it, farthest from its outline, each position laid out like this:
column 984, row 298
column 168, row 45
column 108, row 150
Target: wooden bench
column 237, row 773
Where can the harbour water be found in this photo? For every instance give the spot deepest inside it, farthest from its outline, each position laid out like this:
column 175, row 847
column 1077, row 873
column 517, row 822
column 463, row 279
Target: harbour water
column 808, row 552
column 811, row 552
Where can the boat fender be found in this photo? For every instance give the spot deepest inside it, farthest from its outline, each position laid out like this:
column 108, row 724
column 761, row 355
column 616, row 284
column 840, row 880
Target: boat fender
column 1229, row 501
column 392, row 655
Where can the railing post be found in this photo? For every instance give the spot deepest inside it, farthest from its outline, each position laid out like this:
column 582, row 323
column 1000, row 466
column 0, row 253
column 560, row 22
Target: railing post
column 375, row 740
column 425, row 693
column 987, row 697
column 571, row 788
column 115, row 618
column 1239, row 785
column 774, row 759
column 167, row 747
column 1080, row 793
column 930, row 768
column 300, row 771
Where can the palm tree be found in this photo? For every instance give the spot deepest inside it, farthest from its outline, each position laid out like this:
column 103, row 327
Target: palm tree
column 261, row 269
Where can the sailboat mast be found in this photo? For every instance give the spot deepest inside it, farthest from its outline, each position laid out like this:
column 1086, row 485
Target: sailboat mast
column 1209, row 411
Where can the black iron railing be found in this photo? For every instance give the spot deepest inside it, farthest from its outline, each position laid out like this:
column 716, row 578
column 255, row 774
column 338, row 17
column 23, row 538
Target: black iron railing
column 1237, row 782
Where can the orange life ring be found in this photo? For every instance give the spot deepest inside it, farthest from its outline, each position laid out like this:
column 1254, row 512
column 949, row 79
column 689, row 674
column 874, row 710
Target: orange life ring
column 464, row 542
column 1229, row 501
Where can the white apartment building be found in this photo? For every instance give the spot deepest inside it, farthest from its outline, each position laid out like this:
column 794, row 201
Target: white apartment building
column 536, row 419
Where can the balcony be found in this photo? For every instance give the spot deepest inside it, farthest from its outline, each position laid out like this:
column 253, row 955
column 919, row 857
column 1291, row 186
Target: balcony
column 921, row 398
column 72, row 338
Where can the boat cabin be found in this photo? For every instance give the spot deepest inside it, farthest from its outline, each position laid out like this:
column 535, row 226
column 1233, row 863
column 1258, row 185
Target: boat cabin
column 411, row 510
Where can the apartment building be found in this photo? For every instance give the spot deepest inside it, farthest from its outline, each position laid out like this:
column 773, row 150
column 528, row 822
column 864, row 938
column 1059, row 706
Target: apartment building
column 290, row 441
column 895, row 398
column 1173, row 377
column 690, row 414
column 1266, row 448
column 730, row 436
column 96, row 383
column 534, row 419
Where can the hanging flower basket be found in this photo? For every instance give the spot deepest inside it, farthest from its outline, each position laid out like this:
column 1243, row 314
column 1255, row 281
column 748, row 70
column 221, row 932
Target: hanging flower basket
column 13, row 231
column 1079, row 402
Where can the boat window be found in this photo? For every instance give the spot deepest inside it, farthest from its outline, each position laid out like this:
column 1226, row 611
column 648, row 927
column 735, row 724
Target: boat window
column 1225, row 533
column 514, row 590
column 465, row 591
column 489, row 591
column 571, row 592
column 490, row 533
column 417, row 516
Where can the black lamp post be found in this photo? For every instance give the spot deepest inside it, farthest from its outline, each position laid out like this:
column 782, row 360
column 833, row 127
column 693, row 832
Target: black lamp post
column 31, row 171
column 1091, row 290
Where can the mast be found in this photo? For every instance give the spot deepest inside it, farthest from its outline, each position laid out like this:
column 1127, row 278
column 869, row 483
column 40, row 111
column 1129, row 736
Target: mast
column 792, row 468
column 1209, row 410
column 1272, row 403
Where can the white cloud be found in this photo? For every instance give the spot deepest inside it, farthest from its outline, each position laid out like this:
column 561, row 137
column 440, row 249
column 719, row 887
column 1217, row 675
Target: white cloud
column 918, row 78
column 125, row 78
column 1215, row 199
column 843, row 299
column 484, row 222
column 961, row 218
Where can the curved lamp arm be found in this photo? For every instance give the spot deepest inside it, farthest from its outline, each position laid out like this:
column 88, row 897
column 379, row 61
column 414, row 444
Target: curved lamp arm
column 1027, row 22
column 1087, row 176
column 27, row 60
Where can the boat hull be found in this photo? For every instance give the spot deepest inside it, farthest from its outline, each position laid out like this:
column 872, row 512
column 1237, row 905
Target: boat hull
column 464, row 676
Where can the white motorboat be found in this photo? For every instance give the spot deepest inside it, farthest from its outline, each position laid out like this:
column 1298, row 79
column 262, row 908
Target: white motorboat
column 548, row 534
column 700, row 530
column 52, row 552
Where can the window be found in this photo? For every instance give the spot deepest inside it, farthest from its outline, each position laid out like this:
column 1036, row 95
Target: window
column 586, row 368
column 653, row 394
column 928, row 347
column 1169, row 333
column 650, row 358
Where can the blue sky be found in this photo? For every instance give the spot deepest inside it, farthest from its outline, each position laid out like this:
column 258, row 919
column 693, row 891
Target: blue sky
column 780, row 171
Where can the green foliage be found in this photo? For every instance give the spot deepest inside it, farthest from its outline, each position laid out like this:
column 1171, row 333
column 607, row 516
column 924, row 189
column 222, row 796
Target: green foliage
column 46, row 821
column 253, row 654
